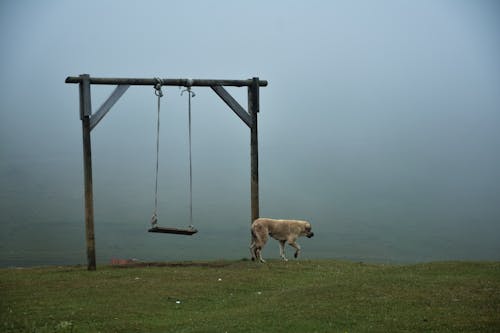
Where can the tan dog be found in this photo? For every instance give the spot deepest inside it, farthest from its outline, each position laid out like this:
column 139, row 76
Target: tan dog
column 281, row 230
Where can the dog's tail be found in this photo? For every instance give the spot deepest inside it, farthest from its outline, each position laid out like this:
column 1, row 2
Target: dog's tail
column 254, row 236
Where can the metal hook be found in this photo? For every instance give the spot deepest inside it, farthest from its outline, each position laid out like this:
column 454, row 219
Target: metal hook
column 188, row 85
column 188, row 89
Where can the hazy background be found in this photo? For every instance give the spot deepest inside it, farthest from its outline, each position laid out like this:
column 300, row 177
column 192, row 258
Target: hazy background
column 380, row 124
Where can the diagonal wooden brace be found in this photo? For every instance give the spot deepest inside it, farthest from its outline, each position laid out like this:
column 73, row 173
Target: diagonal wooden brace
column 108, row 104
column 233, row 104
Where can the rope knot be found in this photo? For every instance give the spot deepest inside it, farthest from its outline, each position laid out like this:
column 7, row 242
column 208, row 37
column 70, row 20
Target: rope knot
column 158, row 85
column 154, row 220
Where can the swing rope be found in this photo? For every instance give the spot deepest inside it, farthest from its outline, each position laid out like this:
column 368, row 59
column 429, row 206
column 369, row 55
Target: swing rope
column 190, row 95
column 154, row 219
column 159, row 94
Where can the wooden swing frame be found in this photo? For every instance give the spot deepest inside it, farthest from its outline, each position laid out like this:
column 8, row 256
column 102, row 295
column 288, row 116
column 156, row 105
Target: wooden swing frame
column 90, row 121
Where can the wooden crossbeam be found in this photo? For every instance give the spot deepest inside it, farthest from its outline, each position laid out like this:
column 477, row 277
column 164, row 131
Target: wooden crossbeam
column 166, row 82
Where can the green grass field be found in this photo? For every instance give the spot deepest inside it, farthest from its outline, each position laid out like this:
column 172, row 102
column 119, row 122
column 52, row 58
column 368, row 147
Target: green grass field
column 242, row 296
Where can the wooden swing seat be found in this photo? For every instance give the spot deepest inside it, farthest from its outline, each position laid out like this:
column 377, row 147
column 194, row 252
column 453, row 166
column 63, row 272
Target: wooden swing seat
column 177, row 231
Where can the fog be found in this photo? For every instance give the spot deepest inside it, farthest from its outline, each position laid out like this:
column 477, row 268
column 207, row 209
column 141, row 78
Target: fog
column 379, row 125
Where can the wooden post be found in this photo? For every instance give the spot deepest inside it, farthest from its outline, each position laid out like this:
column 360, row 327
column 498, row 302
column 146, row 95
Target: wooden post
column 85, row 113
column 253, row 109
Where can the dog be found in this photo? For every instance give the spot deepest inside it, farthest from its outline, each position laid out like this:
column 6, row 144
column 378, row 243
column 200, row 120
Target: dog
column 281, row 230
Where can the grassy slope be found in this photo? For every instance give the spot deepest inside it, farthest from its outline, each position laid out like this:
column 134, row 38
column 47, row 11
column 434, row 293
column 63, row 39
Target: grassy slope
column 299, row 296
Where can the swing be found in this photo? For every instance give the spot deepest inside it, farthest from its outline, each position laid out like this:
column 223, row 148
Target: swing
column 154, row 219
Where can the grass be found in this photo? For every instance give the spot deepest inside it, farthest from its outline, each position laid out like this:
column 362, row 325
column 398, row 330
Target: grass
column 242, row 296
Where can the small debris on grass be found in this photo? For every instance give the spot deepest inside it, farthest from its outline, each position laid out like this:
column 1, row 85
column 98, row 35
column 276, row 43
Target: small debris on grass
column 123, row 262
column 64, row 325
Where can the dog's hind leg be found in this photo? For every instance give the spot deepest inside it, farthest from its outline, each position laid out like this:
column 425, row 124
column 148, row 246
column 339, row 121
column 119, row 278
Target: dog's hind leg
column 253, row 246
column 252, row 250
column 259, row 247
column 282, row 250
column 258, row 252
column 255, row 251
column 258, row 242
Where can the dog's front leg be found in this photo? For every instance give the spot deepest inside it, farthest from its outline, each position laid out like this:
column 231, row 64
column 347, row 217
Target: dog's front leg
column 282, row 250
column 296, row 247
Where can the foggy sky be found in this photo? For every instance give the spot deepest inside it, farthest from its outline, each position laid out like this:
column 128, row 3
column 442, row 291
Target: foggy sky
column 379, row 124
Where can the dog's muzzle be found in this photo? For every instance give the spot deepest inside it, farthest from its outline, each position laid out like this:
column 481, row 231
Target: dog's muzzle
column 309, row 235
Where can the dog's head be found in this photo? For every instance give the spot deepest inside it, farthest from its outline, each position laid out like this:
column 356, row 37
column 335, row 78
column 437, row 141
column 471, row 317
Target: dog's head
column 307, row 230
